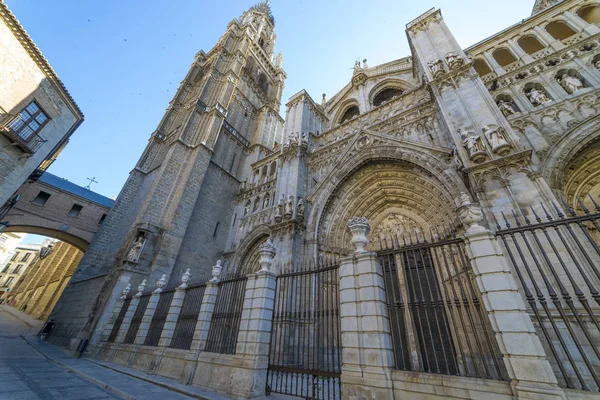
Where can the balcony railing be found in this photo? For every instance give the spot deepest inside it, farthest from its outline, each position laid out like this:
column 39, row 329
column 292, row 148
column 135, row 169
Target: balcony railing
column 27, row 140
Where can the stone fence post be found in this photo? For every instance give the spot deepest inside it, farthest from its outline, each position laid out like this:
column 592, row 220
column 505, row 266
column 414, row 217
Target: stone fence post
column 252, row 351
column 366, row 338
column 150, row 309
column 525, row 359
column 115, row 314
column 135, row 300
column 174, row 310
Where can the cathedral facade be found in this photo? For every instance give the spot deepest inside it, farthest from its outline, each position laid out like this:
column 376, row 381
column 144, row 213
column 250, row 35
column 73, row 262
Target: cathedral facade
column 430, row 231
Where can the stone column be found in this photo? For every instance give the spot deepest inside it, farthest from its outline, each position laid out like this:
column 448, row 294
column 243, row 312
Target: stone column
column 366, row 338
column 581, row 24
column 174, row 310
column 521, row 54
column 150, row 309
column 252, row 351
column 525, row 359
column 115, row 314
column 206, row 310
column 129, row 314
column 548, row 38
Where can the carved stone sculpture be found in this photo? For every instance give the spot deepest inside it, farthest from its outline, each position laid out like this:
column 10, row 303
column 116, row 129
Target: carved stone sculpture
column 300, row 210
column 247, row 208
column 289, row 208
column 359, row 229
column 470, row 215
column 537, row 97
column 454, row 60
column 357, row 67
column 570, row 83
column 496, row 139
column 473, row 145
column 185, row 278
column 126, row 291
column 304, row 139
column 160, row 284
column 507, row 107
column 436, row 67
column 267, row 253
column 279, row 60
column 280, row 209
column 136, row 248
column 365, row 66
column 141, row 287
column 216, row 271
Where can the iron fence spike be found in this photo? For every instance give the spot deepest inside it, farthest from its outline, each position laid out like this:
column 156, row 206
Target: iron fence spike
column 537, row 217
column 596, row 205
column 583, row 207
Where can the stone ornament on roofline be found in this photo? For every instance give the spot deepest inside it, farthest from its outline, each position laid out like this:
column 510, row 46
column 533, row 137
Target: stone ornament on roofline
column 216, row 272
column 185, row 278
column 267, row 253
column 359, row 228
column 141, row 287
column 126, row 291
column 470, row 215
column 161, row 284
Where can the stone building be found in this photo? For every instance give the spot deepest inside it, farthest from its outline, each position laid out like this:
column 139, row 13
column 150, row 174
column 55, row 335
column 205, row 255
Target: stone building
column 37, row 113
column 16, row 263
column 430, row 231
column 39, row 288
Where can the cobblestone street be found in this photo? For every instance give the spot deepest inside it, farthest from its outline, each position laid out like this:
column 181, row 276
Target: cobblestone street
column 26, row 374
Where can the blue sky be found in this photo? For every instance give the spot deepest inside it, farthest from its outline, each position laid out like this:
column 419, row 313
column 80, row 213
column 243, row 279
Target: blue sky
column 122, row 60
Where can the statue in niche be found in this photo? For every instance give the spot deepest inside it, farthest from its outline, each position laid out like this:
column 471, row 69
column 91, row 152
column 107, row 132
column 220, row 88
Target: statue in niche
column 289, row 207
column 266, row 201
column 507, row 107
column 136, row 247
column 537, row 97
column 279, row 210
column 300, row 209
column 436, row 67
column 495, row 137
column 472, row 143
column 453, row 60
column 455, row 162
column 256, row 204
column 570, row 83
column 247, row 208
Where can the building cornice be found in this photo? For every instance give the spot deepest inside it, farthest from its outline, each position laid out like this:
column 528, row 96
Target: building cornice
column 35, row 53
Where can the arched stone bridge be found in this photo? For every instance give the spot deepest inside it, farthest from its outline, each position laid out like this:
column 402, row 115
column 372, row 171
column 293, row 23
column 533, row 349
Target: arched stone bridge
column 53, row 206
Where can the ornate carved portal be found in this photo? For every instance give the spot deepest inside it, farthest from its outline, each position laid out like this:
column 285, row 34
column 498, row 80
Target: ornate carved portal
column 398, row 198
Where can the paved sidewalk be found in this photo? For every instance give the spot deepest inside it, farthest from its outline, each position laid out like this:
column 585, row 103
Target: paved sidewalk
column 33, row 370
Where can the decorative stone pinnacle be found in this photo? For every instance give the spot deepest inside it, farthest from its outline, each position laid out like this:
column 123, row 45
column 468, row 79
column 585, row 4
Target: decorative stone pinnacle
column 359, row 228
column 267, row 252
column 185, row 278
column 161, row 284
column 470, row 215
column 141, row 288
column 126, row 291
column 216, row 271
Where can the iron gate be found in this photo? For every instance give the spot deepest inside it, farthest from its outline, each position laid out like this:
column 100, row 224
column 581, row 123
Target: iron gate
column 437, row 319
column 305, row 357
column 188, row 317
column 159, row 318
column 119, row 321
column 556, row 262
column 137, row 318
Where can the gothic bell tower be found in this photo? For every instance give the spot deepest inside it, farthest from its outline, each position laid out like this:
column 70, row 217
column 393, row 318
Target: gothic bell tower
column 176, row 208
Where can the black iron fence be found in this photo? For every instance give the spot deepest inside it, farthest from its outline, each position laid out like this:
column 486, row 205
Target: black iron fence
column 137, row 319
column 305, row 357
column 437, row 319
column 117, row 326
column 225, row 321
column 159, row 318
column 556, row 260
column 188, row 317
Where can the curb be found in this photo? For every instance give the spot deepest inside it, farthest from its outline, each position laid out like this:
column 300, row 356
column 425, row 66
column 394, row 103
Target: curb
column 86, row 377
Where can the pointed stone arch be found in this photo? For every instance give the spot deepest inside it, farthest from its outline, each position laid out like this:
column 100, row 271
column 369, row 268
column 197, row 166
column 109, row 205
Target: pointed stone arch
column 385, row 180
column 388, row 84
column 246, row 250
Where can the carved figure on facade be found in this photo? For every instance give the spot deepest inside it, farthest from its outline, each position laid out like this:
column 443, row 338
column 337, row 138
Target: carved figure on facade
column 141, row 287
column 126, row 291
column 266, row 201
column 454, row 60
column 570, row 83
column 216, row 271
column 136, row 247
column 279, row 60
column 279, row 210
column 436, row 67
column 507, row 107
column 247, row 208
column 289, row 207
column 455, row 161
column 304, row 139
column 473, row 145
column 357, row 67
column 300, row 209
column 160, row 284
column 537, row 97
column 495, row 137
column 185, row 278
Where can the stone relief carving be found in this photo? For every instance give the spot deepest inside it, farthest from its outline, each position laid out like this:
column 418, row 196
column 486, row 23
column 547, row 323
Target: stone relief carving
column 570, row 83
column 436, row 67
column 394, row 226
column 507, row 107
column 495, row 137
column 136, row 248
column 454, row 60
column 473, row 145
column 279, row 210
column 289, row 207
column 537, row 97
column 300, row 209
column 216, row 271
